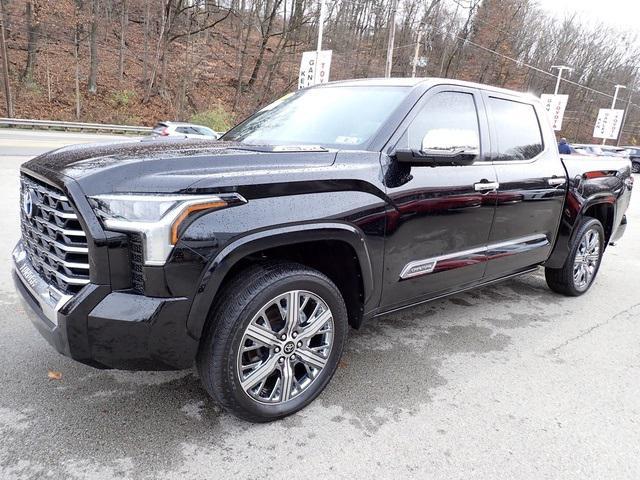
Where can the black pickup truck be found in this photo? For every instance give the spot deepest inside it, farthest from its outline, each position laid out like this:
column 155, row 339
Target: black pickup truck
column 252, row 256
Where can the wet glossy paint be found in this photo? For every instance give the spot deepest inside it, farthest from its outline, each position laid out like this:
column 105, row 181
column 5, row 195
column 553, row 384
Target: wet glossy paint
column 388, row 214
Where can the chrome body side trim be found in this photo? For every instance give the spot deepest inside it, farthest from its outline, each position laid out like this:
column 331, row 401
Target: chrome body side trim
column 472, row 256
column 48, row 297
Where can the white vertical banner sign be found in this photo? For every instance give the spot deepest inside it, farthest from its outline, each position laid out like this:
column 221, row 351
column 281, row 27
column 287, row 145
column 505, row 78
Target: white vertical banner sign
column 555, row 105
column 314, row 68
column 608, row 123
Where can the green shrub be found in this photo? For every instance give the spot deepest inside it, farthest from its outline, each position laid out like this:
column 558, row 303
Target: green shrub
column 123, row 98
column 217, row 118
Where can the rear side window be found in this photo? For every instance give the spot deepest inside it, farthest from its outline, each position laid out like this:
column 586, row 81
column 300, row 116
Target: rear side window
column 517, row 130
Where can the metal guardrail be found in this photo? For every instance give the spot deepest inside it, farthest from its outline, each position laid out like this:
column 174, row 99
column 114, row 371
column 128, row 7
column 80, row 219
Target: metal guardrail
column 73, row 126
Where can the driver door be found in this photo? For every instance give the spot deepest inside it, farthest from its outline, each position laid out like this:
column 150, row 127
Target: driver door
column 441, row 216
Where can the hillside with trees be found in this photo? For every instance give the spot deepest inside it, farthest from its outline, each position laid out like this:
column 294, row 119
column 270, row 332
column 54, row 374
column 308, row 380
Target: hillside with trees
column 139, row 61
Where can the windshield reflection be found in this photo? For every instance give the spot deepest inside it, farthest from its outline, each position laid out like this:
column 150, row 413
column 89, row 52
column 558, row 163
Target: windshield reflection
column 345, row 117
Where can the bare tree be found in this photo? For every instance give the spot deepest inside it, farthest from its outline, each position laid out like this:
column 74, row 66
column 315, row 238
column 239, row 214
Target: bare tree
column 33, row 12
column 93, row 48
column 124, row 22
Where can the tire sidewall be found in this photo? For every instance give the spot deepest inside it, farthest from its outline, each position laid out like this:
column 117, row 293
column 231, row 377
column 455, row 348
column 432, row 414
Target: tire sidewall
column 588, row 225
column 230, row 342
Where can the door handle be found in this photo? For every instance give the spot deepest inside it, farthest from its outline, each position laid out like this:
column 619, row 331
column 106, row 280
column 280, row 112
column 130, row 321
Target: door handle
column 556, row 181
column 485, row 186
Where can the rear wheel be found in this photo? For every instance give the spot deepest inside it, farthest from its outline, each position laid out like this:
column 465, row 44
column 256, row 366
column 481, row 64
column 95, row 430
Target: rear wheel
column 635, row 167
column 581, row 266
column 274, row 341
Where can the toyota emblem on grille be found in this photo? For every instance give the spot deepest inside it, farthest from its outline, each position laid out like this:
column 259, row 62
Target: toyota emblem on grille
column 28, row 202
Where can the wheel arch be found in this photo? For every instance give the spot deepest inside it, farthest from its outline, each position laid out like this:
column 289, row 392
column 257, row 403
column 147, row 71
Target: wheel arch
column 245, row 250
column 602, row 207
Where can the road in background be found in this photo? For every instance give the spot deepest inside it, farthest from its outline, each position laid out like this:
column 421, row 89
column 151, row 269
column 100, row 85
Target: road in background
column 17, row 142
column 509, row 381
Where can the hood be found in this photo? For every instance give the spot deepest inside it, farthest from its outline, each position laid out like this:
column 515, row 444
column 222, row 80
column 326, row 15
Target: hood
column 168, row 166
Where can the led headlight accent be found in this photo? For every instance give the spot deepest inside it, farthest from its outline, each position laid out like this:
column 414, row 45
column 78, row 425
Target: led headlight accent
column 157, row 217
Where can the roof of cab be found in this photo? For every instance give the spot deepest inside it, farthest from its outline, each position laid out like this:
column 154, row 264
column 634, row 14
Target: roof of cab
column 426, row 81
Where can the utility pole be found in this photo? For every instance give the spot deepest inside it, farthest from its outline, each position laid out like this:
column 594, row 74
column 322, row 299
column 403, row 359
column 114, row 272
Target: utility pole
column 392, row 37
column 5, row 65
column 560, row 69
column 320, row 29
column 624, row 119
column 416, row 53
column 613, row 105
column 319, row 45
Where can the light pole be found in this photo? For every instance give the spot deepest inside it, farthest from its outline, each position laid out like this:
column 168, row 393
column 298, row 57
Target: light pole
column 624, row 119
column 560, row 69
column 391, row 41
column 613, row 105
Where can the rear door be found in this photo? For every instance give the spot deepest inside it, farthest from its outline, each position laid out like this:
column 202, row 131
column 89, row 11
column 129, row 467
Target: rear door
column 440, row 218
column 532, row 185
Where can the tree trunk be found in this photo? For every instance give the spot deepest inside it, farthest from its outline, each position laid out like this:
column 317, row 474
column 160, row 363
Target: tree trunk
column 266, row 34
column 5, row 66
column 145, row 61
column 93, row 49
column 33, row 11
column 124, row 20
column 76, row 54
column 154, row 71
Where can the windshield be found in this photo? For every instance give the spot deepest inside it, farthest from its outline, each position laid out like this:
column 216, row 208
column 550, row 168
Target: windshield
column 339, row 117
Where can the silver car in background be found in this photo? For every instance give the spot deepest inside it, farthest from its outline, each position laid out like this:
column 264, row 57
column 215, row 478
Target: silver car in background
column 184, row 130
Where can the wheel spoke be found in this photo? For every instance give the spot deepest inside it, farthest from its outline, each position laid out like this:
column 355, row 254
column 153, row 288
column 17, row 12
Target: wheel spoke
column 315, row 324
column 261, row 373
column 293, row 311
column 275, row 388
column 311, row 358
column 259, row 334
column 593, row 257
column 287, row 381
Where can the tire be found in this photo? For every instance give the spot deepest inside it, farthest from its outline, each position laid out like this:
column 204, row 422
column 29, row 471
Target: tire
column 635, row 167
column 579, row 270
column 252, row 315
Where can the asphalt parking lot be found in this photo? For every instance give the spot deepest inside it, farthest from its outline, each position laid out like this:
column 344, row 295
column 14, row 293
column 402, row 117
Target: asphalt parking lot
column 509, row 381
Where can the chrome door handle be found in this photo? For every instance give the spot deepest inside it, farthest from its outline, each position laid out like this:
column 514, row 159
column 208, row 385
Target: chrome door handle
column 485, row 186
column 556, row 181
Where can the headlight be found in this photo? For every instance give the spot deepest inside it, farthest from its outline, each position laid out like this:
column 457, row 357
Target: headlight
column 157, row 217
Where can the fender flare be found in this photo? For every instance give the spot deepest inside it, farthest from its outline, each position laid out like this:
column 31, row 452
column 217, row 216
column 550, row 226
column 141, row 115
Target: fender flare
column 604, row 198
column 567, row 231
column 217, row 269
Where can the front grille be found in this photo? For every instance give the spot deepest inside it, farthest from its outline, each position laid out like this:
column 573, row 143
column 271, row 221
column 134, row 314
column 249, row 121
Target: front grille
column 52, row 236
column 137, row 262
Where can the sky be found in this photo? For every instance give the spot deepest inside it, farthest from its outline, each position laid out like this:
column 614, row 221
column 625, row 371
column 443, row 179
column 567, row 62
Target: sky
column 622, row 14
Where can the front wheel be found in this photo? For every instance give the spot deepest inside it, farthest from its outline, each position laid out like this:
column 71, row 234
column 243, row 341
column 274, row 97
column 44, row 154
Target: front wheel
column 581, row 266
column 274, row 341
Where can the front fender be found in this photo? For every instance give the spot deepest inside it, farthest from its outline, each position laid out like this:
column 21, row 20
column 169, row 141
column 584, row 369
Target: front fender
column 217, row 269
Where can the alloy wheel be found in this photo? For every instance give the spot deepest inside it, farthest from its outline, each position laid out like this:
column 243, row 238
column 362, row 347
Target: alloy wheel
column 285, row 347
column 585, row 263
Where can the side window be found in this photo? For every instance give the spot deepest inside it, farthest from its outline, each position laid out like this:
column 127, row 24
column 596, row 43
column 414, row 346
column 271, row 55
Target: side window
column 447, row 121
column 517, row 130
column 183, row 130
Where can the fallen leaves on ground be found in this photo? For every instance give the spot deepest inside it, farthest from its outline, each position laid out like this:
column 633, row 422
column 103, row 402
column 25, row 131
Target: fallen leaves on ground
column 53, row 375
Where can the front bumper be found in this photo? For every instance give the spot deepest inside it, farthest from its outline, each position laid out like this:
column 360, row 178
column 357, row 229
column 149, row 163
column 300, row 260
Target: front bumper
column 105, row 328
